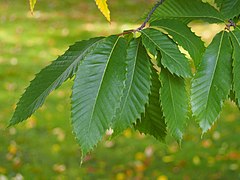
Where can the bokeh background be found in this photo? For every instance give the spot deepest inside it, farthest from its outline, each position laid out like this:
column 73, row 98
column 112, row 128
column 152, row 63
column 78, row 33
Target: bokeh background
column 43, row 147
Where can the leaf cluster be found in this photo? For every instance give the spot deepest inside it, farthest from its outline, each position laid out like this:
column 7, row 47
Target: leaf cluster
column 145, row 82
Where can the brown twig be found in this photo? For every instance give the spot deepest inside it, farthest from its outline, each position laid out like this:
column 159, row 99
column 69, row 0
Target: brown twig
column 230, row 24
column 143, row 25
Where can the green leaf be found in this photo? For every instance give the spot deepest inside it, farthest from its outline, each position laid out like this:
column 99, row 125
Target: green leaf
column 230, row 8
column 183, row 35
column 137, row 87
column 51, row 78
column 235, row 37
column 172, row 58
column 212, row 82
column 187, row 10
column 174, row 100
column 152, row 121
column 97, row 90
column 219, row 2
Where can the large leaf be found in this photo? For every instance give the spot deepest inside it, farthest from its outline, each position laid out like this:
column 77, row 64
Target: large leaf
column 174, row 100
column 137, row 87
column 152, row 121
column 172, row 58
column 183, row 35
column 50, row 78
column 230, row 8
column 235, row 37
column 187, row 10
column 212, row 82
column 97, row 90
column 103, row 7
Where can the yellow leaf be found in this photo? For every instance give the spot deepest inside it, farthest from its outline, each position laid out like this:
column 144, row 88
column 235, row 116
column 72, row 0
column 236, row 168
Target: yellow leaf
column 103, row 7
column 32, row 4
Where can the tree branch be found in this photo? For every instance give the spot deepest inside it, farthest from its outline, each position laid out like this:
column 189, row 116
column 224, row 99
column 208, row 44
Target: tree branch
column 146, row 20
column 149, row 15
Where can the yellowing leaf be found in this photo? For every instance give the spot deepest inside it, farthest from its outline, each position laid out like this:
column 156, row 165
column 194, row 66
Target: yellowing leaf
column 32, row 4
column 103, row 7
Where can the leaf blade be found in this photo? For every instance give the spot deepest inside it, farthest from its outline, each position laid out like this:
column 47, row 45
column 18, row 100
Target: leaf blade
column 174, row 100
column 230, row 8
column 152, row 121
column 183, row 35
column 97, row 91
column 187, row 10
column 103, row 7
column 235, row 37
column 32, row 4
column 50, row 78
column 172, row 58
column 137, row 87
column 212, row 82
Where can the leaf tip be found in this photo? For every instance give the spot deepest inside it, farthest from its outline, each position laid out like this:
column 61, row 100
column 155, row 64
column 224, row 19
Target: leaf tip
column 103, row 7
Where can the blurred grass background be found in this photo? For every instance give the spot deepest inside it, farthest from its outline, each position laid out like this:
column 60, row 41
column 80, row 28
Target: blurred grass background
column 43, row 147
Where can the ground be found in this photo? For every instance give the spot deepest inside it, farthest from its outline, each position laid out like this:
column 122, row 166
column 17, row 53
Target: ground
column 43, row 147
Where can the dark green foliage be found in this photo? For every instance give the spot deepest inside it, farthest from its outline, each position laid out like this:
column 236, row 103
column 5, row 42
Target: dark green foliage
column 183, row 36
column 212, row 82
column 124, row 81
column 172, row 58
column 137, row 87
column 152, row 121
column 174, row 100
column 51, row 78
column 230, row 8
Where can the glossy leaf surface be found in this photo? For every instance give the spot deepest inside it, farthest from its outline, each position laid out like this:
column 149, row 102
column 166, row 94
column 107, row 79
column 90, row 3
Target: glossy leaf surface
column 137, row 87
column 97, row 90
column 174, row 103
column 187, row 10
column 172, row 58
column 230, row 8
column 50, row 78
column 183, row 36
column 152, row 121
column 212, row 82
column 235, row 37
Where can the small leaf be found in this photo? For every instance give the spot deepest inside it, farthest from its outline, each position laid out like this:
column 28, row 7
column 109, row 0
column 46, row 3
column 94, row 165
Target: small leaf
column 187, row 10
column 235, row 37
column 32, row 4
column 51, row 78
column 97, row 90
column 174, row 100
column 103, row 7
column 137, row 88
column 183, row 35
column 212, row 82
column 152, row 121
column 230, row 8
column 172, row 58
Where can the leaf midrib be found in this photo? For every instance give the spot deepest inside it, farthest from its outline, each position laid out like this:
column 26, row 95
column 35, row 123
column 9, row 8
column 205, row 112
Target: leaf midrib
column 101, row 82
column 213, row 75
column 130, row 87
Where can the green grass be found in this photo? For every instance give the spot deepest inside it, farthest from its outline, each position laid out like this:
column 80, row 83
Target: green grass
column 45, row 148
